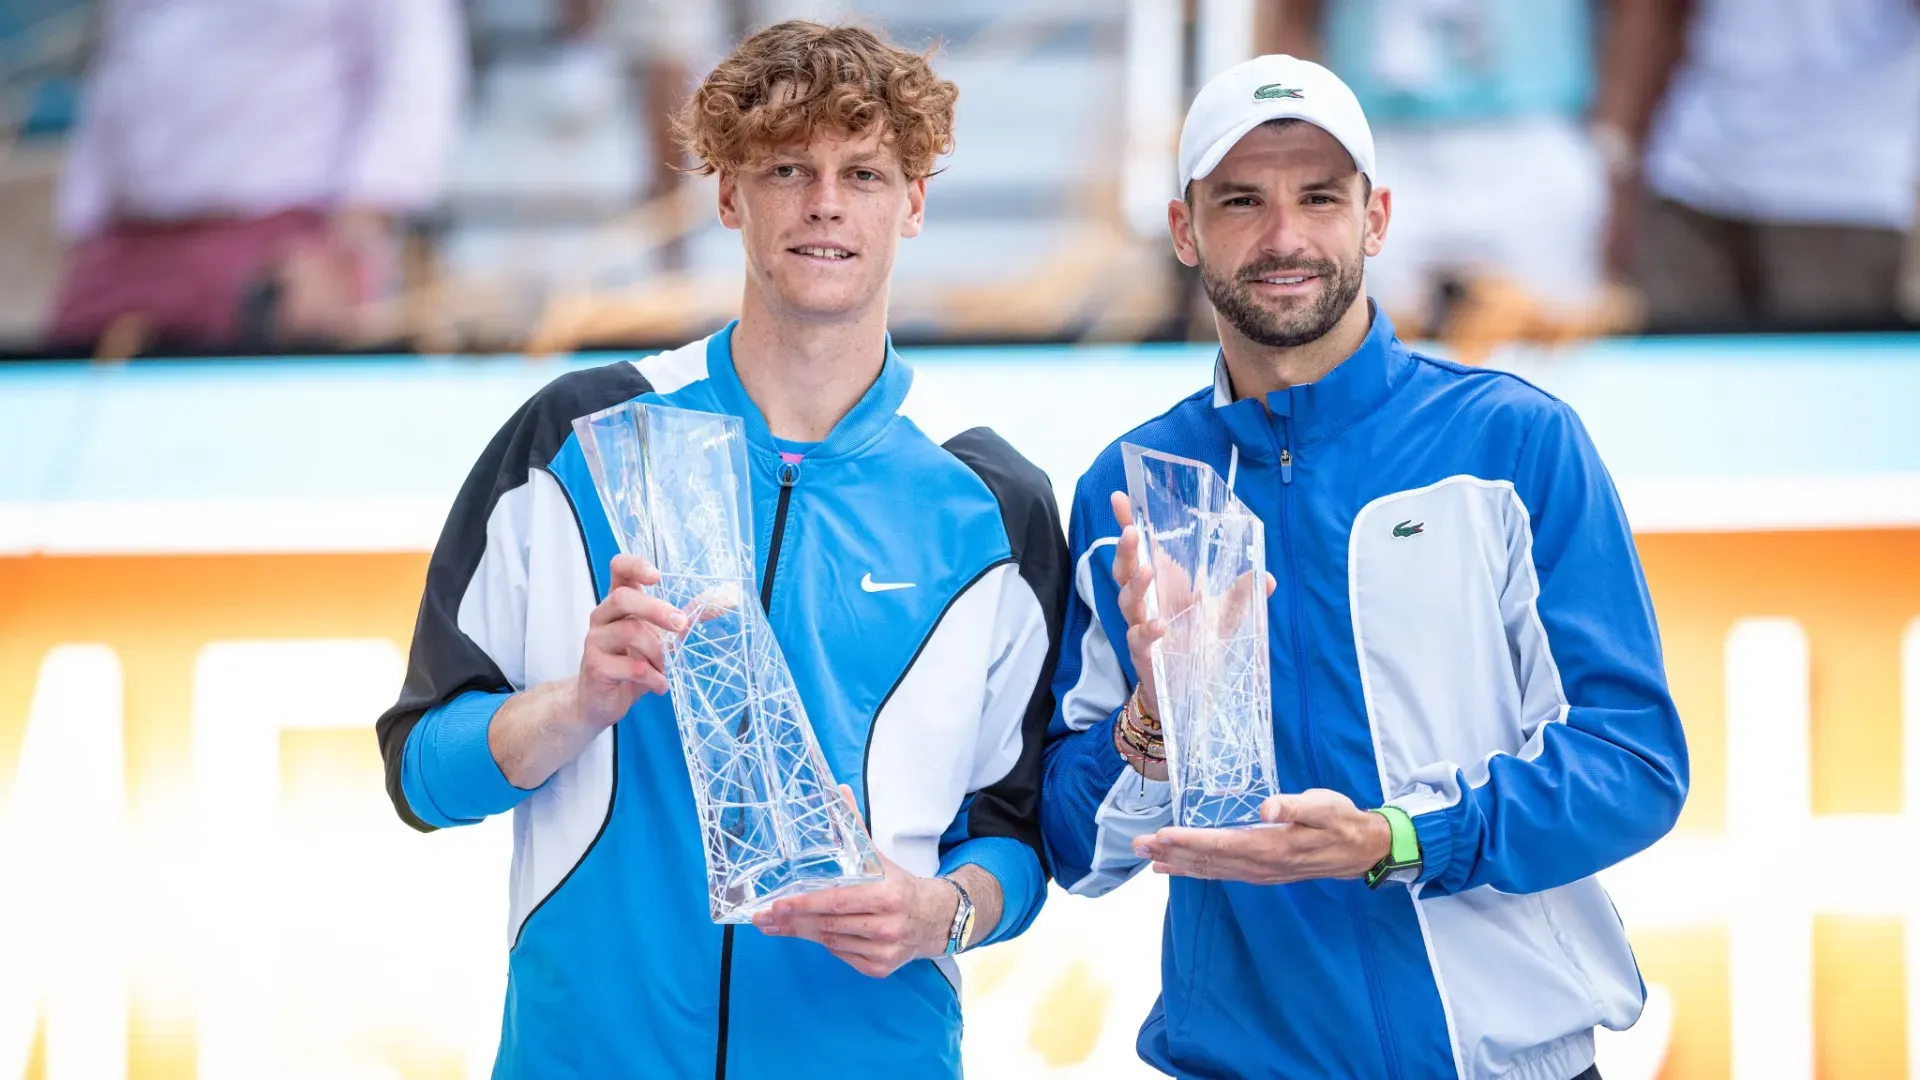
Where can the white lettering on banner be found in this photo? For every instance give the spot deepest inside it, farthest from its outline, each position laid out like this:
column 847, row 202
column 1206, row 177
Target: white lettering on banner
column 1895, row 858
column 62, row 864
column 246, row 693
column 1778, row 865
column 1769, row 793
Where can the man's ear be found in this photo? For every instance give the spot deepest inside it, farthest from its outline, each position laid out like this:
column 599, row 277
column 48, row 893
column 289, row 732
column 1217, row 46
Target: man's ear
column 1180, row 226
column 916, row 209
column 730, row 200
column 1379, row 213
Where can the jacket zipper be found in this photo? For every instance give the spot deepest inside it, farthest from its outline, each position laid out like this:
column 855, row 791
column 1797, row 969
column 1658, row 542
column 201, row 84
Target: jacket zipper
column 789, row 476
column 1368, row 968
column 1293, row 601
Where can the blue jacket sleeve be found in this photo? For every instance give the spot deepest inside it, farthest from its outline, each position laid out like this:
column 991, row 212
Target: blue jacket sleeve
column 448, row 773
column 1606, row 776
column 1023, row 884
column 1094, row 805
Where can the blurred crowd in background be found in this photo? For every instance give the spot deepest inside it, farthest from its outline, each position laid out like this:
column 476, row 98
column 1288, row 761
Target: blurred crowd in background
column 231, row 176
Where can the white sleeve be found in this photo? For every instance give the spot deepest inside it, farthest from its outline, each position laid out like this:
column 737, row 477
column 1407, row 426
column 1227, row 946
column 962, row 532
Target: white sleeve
column 412, row 66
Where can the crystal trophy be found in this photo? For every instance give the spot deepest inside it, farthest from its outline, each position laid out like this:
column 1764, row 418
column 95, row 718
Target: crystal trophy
column 673, row 483
column 1210, row 667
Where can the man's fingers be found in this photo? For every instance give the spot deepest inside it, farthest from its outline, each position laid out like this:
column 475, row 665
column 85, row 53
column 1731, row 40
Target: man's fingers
column 1204, row 862
column 632, row 570
column 1133, row 594
column 1141, row 638
column 872, row 965
column 852, row 948
column 629, row 639
column 627, row 602
column 1126, row 556
column 1309, row 809
column 875, row 928
column 638, row 673
column 1126, row 553
column 846, row 900
column 1277, row 810
column 616, row 656
column 1263, row 854
column 1175, row 586
column 849, row 947
column 1189, row 864
column 1202, row 852
column 617, row 667
column 1315, row 808
column 1176, row 838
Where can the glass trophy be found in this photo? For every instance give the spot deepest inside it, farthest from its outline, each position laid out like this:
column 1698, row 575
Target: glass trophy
column 673, row 483
column 1208, row 555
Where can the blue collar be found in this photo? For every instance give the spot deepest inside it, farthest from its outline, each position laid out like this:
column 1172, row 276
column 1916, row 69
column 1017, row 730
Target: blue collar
column 1319, row 410
column 863, row 424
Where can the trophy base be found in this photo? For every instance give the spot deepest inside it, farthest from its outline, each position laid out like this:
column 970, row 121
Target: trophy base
column 1222, row 810
column 781, row 880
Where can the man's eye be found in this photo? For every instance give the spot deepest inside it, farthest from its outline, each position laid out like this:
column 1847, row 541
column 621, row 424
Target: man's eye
column 1321, row 200
column 865, row 175
column 786, row 171
column 1240, row 200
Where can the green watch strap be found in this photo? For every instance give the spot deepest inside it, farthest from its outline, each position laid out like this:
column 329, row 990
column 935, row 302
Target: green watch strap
column 1403, row 852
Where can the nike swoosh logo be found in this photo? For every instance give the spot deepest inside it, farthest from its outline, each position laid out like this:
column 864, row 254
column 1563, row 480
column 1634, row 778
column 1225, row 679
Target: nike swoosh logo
column 867, row 584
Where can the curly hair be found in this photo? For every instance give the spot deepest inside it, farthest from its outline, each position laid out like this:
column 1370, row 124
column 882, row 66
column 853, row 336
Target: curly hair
column 796, row 78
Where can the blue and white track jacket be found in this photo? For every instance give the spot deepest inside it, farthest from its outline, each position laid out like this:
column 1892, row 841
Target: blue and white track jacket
column 1461, row 629
column 916, row 584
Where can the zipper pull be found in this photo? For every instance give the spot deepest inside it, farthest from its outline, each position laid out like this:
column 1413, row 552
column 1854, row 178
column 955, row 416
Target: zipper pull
column 789, row 473
column 1286, row 466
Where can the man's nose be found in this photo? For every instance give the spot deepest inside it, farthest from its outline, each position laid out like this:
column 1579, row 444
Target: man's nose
column 826, row 204
column 1284, row 232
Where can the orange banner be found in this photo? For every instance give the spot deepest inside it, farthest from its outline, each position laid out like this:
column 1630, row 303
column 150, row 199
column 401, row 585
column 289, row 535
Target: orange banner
column 363, row 985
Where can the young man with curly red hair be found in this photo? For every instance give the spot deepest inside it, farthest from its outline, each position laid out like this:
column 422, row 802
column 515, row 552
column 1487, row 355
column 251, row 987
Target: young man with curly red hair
column 916, row 582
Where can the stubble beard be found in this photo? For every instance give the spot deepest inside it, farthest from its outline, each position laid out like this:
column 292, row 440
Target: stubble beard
column 1294, row 325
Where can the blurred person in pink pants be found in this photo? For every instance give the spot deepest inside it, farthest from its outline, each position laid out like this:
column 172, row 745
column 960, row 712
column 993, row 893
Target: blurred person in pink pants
column 238, row 164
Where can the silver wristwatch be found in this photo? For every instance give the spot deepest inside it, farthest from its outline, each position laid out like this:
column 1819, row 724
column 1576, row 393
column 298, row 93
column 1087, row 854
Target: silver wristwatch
column 962, row 919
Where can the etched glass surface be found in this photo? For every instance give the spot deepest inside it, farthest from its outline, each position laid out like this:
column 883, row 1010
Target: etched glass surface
column 673, row 483
column 1208, row 553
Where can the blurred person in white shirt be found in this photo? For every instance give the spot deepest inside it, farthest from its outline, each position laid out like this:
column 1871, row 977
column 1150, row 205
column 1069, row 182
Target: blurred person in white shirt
column 238, row 164
column 1764, row 157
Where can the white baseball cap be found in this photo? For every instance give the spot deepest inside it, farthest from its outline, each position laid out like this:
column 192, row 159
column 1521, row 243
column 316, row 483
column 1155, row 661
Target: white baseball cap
column 1265, row 88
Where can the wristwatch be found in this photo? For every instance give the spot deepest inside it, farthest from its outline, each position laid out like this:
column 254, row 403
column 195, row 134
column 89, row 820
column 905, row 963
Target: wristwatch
column 962, row 919
column 1402, row 862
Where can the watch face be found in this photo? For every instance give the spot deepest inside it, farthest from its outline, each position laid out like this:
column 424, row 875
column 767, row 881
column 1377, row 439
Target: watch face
column 966, row 927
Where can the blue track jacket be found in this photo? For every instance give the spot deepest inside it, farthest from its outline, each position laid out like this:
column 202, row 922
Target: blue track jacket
column 1461, row 629
column 929, row 695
